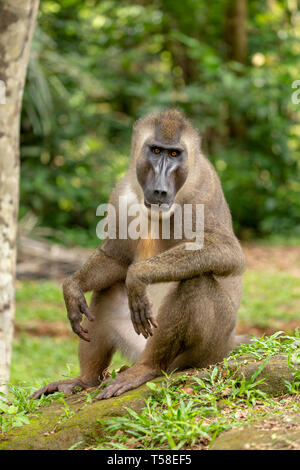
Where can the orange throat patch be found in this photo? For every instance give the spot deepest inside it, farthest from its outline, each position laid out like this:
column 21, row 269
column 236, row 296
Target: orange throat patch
column 147, row 248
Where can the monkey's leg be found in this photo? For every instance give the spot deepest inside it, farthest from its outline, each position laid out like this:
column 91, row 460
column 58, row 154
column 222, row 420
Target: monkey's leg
column 195, row 328
column 94, row 356
column 111, row 330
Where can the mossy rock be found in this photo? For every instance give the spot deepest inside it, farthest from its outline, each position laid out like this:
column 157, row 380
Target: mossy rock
column 55, row 429
column 274, row 374
column 59, row 428
column 272, row 432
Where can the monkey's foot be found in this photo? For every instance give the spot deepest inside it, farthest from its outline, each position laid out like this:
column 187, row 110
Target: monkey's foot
column 66, row 386
column 128, row 380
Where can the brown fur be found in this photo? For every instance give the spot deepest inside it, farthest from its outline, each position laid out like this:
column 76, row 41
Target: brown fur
column 195, row 295
column 147, row 248
column 169, row 126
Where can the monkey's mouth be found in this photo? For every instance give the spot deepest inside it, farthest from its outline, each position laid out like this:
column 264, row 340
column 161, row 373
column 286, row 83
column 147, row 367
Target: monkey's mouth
column 158, row 206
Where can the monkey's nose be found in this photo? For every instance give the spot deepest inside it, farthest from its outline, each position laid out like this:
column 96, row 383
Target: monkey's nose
column 160, row 194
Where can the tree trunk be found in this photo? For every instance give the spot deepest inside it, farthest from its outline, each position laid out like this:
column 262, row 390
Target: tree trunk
column 17, row 19
column 236, row 40
column 236, row 30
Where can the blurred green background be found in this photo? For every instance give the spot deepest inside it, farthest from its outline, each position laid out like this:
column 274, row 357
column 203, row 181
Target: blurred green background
column 97, row 66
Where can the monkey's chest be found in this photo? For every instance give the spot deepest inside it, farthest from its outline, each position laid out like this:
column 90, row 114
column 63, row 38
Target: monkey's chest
column 147, row 248
column 158, row 294
column 159, row 291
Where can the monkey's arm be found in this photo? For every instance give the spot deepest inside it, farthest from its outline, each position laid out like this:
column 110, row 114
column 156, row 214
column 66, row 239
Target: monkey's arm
column 99, row 272
column 221, row 254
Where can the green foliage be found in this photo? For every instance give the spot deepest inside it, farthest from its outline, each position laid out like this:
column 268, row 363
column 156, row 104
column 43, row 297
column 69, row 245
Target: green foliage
column 175, row 416
column 11, row 416
column 97, row 66
column 269, row 298
column 14, row 409
column 38, row 360
column 269, row 346
column 293, row 362
column 179, row 417
column 45, row 291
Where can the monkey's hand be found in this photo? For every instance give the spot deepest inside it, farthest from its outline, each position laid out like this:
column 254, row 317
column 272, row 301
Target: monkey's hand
column 76, row 306
column 139, row 304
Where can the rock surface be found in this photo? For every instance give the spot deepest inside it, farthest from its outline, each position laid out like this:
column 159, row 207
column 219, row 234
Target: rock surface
column 273, row 432
column 61, row 425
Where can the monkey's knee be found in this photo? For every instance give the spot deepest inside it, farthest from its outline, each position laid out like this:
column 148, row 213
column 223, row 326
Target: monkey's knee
column 237, row 340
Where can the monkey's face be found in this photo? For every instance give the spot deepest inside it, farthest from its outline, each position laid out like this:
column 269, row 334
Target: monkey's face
column 161, row 171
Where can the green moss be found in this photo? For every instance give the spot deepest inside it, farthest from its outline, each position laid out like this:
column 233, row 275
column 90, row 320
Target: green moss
column 52, row 430
column 246, row 378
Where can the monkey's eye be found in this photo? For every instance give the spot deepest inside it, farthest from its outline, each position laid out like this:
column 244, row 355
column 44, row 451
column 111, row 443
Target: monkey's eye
column 174, row 153
column 155, row 150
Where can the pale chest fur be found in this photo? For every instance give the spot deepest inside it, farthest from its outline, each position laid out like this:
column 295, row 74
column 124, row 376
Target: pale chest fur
column 156, row 292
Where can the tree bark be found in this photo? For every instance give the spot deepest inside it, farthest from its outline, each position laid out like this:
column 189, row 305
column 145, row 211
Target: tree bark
column 17, row 19
column 236, row 30
column 236, row 40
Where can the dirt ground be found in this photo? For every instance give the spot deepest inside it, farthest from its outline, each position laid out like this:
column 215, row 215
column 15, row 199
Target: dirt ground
column 273, row 258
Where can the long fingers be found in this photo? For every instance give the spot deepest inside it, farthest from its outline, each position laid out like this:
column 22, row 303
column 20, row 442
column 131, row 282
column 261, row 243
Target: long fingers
column 141, row 316
column 85, row 310
column 80, row 331
column 76, row 309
